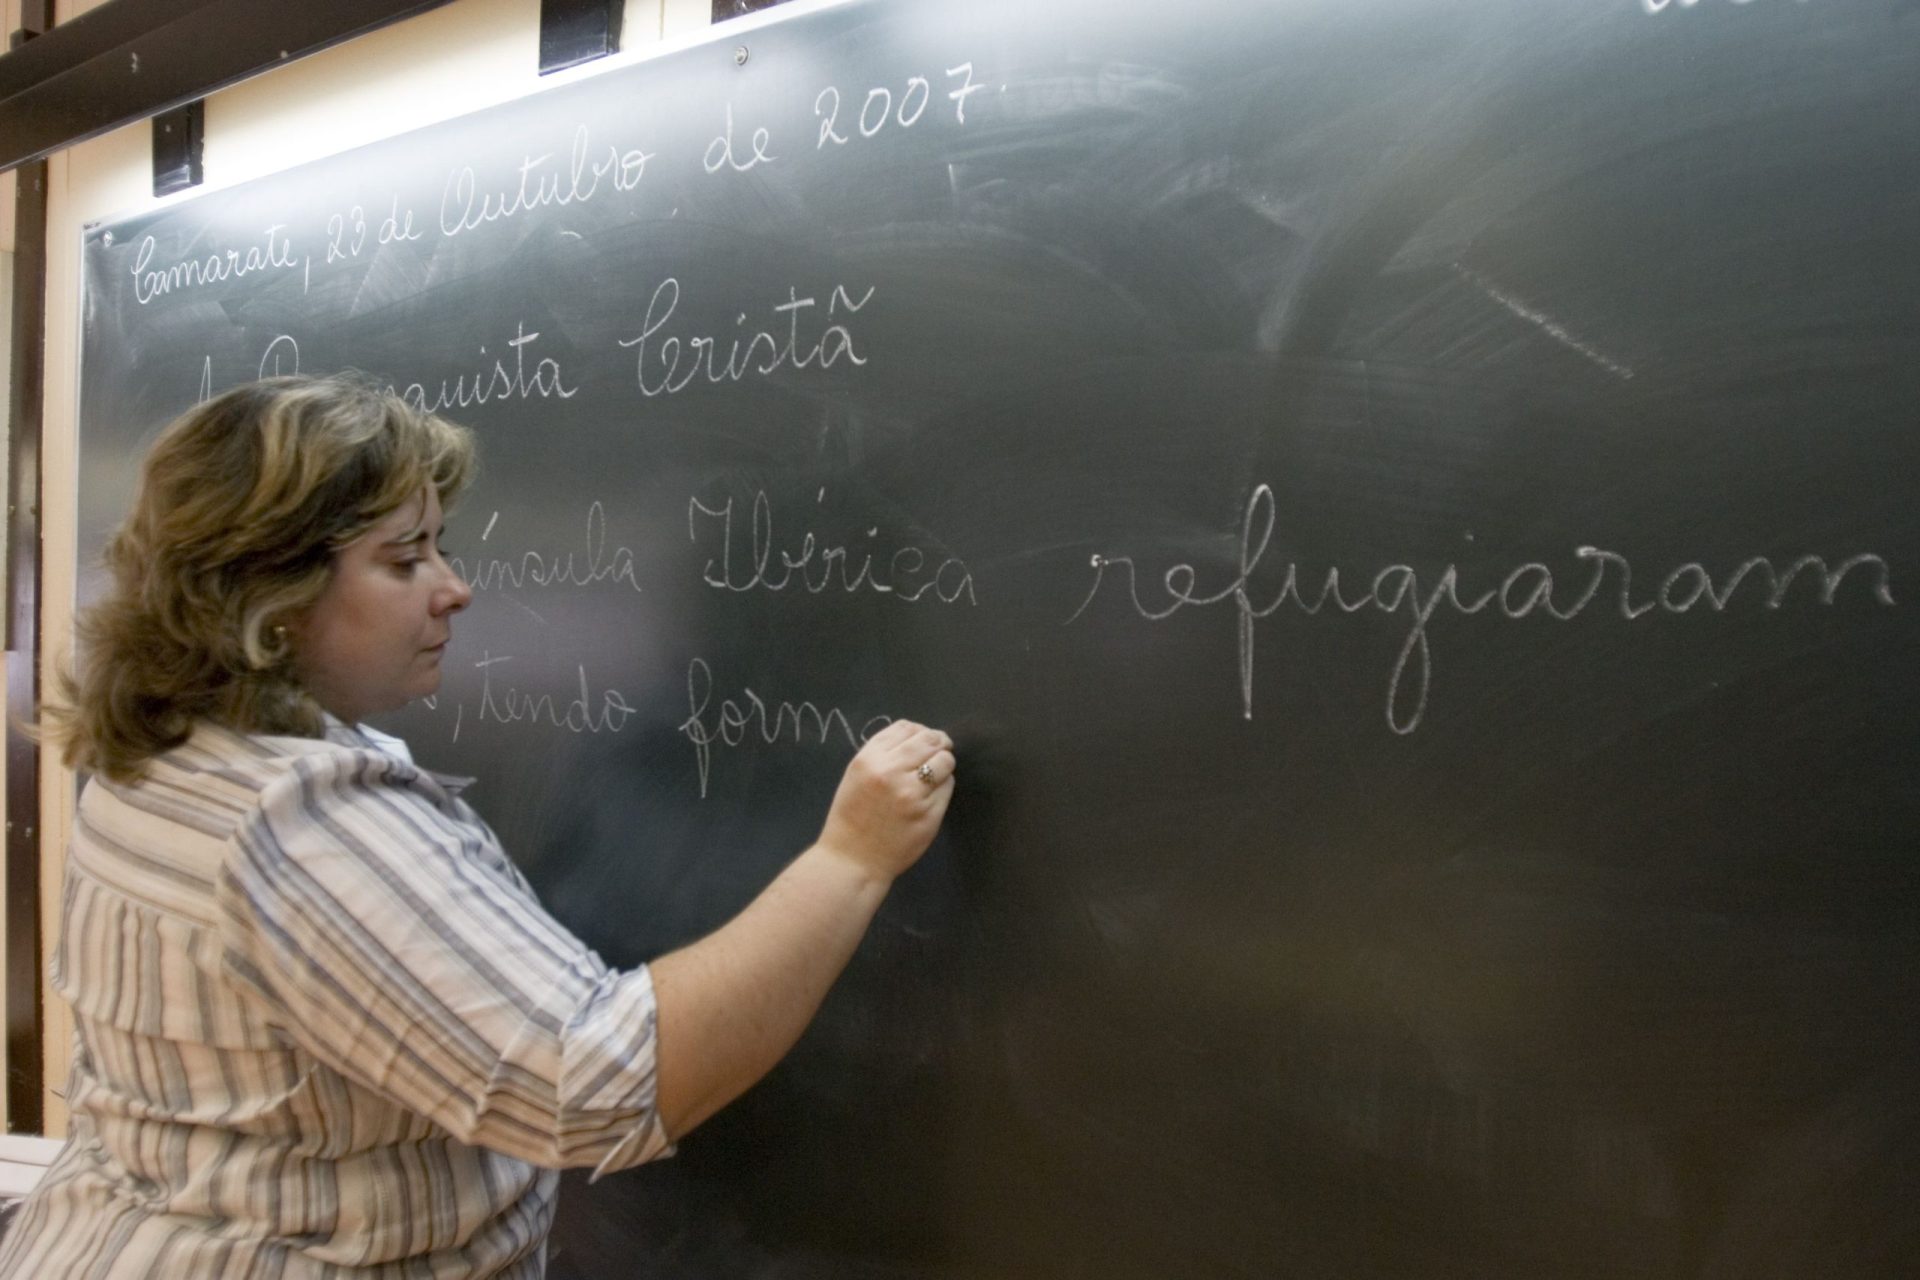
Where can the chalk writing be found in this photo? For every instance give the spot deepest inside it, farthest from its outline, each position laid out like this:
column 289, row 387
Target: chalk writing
column 966, row 89
column 595, row 564
column 508, row 705
column 720, row 153
column 346, row 234
column 465, row 207
column 1545, row 323
column 1523, row 591
column 397, row 225
column 815, row 566
column 881, row 107
column 665, row 364
column 739, row 721
column 281, row 358
column 274, row 252
column 498, row 382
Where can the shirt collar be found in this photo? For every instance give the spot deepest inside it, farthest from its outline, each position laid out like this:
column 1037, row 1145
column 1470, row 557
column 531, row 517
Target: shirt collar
column 365, row 736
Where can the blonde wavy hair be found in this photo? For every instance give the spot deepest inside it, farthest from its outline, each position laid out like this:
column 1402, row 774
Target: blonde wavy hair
column 242, row 503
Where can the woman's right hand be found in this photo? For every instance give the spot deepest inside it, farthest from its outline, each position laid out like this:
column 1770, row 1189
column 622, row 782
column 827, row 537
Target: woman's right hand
column 886, row 812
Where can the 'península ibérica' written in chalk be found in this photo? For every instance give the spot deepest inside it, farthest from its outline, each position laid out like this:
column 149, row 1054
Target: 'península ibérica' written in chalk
column 1605, row 577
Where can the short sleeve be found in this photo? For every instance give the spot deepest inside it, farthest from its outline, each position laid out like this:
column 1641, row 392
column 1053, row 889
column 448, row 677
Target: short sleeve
column 393, row 942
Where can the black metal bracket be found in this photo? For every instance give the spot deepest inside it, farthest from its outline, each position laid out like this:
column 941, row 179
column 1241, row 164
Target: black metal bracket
column 577, row 31
column 127, row 60
column 177, row 147
column 724, row 9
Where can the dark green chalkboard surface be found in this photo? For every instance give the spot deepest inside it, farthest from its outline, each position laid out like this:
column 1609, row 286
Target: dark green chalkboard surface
column 1409, row 507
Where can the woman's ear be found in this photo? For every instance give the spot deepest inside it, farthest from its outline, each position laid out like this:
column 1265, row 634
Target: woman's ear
column 278, row 642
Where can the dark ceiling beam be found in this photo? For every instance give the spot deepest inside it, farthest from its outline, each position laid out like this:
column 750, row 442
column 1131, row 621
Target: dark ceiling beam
column 130, row 59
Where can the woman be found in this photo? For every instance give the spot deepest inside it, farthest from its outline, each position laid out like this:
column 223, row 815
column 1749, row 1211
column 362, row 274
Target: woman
column 323, row 1028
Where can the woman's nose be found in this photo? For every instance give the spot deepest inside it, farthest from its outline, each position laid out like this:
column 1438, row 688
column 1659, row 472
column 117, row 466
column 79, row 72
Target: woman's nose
column 456, row 594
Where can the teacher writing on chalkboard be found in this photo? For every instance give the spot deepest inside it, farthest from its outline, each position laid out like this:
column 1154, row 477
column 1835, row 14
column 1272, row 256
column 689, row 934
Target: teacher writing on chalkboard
column 323, row 1027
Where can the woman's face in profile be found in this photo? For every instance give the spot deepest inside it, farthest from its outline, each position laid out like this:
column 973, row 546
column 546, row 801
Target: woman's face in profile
column 374, row 640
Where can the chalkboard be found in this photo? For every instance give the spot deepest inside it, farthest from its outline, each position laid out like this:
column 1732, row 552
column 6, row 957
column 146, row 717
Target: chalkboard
column 1409, row 508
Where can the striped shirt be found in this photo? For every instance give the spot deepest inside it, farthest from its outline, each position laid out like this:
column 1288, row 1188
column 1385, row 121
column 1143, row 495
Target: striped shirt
column 322, row 1029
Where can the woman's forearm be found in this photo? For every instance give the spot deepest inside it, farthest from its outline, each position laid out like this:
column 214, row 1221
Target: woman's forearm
column 733, row 1003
